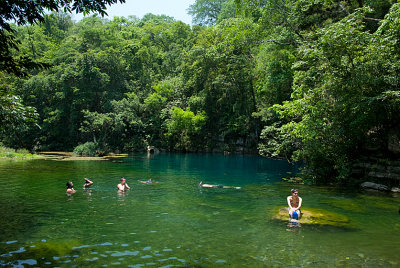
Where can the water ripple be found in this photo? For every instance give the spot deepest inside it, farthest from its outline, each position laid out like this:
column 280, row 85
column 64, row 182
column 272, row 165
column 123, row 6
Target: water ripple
column 124, row 253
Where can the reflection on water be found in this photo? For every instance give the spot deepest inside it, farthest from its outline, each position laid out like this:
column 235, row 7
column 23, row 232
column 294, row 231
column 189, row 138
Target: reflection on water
column 176, row 223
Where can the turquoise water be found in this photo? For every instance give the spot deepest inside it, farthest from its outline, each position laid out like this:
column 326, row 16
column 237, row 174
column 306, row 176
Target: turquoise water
column 174, row 223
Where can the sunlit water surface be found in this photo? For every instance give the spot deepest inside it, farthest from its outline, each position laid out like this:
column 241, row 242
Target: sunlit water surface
column 175, row 223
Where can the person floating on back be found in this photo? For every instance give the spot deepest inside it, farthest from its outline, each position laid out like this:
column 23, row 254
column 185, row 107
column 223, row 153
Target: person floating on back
column 70, row 188
column 87, row 183
column 205, row 185
column 123, row 186
column 294, row 201
column 149, row 181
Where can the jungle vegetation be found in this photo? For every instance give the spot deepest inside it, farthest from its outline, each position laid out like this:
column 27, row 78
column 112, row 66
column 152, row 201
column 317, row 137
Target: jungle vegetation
column 311, row 81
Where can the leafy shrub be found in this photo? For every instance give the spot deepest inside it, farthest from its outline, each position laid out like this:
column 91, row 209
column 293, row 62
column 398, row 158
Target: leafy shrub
column 22, row 151
column 6, row 152
column 86, row 149
column 185, row 129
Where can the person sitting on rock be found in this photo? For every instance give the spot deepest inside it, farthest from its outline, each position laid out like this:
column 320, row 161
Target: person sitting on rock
column 294, row 201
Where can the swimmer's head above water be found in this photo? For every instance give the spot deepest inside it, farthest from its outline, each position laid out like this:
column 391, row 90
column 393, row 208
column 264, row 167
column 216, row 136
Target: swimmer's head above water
column 70, row 185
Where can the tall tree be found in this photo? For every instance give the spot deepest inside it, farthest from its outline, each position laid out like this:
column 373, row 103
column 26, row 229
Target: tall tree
column 22, row 12
column 219, row 77
column 205, row 12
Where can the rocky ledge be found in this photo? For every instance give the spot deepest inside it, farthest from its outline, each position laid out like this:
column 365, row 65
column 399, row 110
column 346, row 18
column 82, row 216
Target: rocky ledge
column 378, row 187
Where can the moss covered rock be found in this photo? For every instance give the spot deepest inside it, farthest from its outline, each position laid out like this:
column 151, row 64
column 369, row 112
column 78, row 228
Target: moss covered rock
column 316, row 216
column 350, row 205
column 54, row 248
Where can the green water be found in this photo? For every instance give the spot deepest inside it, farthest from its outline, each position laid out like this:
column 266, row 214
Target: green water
column 174, row 223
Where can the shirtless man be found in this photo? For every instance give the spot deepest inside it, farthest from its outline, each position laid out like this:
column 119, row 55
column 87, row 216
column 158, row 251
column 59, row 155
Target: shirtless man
column 294, row 201
column 70, row 188
column 123, row 186
column 87, row 183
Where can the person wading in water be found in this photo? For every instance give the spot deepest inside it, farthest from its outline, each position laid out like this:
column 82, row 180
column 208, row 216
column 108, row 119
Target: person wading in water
column 123, row 186
column 70, row 188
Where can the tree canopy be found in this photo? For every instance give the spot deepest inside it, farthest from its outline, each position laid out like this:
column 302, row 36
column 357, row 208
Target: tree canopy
column 23, row 12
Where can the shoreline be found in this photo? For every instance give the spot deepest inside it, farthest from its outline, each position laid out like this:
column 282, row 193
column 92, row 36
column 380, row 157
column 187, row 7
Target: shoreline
column 69, row 156
column 58, row 156
column 16, row 154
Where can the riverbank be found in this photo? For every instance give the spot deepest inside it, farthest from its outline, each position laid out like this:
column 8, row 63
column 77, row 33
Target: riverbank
column 69, row 156
column 23, row 154
column 20, row 154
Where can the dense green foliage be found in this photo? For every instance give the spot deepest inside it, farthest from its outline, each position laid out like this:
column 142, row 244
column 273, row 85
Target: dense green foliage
column 9, row 153
column 22, row 12
column 309, row 81
column 87, row 149
column 129, row 83
column 210, row 12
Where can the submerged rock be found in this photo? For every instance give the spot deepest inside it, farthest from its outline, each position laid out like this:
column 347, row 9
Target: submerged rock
column 315, row 216
column 350, row 205
column 385, row 202
column 293, row 180
column 374, row 186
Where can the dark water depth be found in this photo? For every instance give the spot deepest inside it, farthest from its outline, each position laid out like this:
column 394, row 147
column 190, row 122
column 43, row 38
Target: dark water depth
column 175, row 223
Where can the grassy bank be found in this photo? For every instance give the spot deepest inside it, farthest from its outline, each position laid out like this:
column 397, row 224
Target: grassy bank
column 9, row 153
column 70, row 156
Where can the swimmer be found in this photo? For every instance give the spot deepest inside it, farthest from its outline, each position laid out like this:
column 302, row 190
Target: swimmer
column 123, row 186
column 87, row 183
column 205, row 185
column 149, row 181
column 70, row 188
column 294, row 201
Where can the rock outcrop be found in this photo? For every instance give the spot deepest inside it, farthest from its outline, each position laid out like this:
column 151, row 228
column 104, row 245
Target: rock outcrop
column 395, row 190
column 374, row 186
column 152, row 150
column 377, row 169
column 394, row 142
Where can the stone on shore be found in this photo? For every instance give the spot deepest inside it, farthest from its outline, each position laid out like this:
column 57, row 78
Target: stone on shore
column 374, row 186
column 395, row 189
